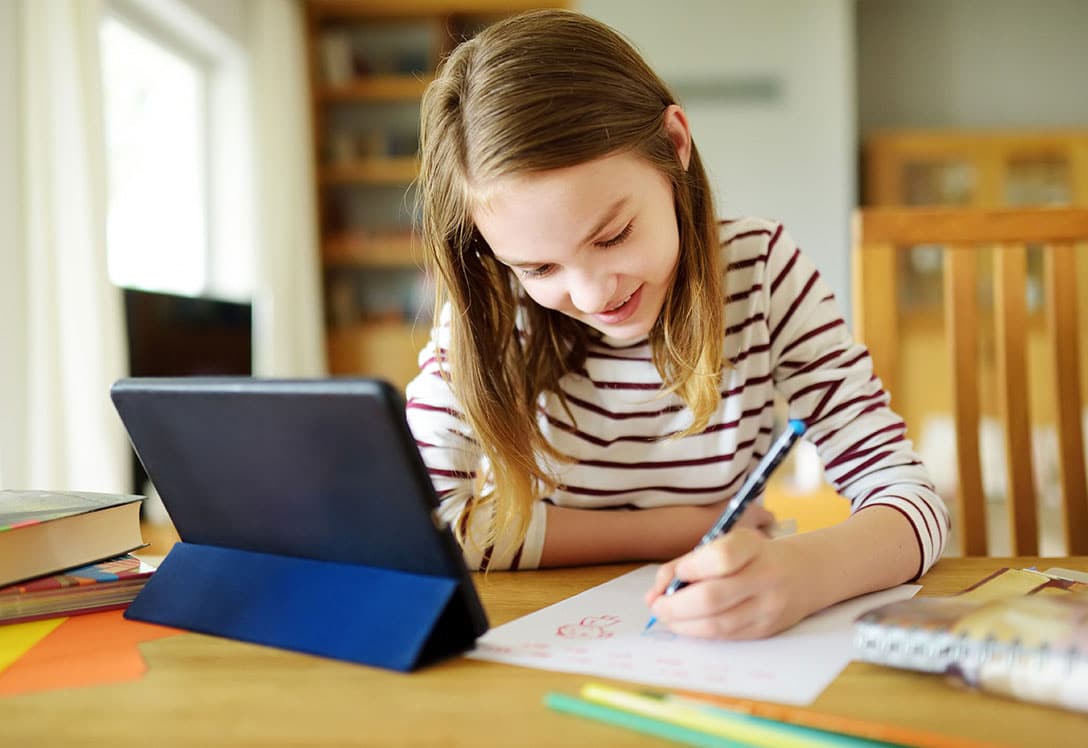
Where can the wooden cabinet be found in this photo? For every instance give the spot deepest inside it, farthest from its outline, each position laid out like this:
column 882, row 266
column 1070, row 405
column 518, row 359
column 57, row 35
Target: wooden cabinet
column 369, row 63
column 985, row 169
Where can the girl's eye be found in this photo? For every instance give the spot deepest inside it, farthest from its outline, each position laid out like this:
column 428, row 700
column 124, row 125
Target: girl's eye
column 538, row 272
column 618, row 238
column 541, row 271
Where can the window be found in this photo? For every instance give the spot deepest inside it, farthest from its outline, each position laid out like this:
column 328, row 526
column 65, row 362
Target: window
column 156, row 101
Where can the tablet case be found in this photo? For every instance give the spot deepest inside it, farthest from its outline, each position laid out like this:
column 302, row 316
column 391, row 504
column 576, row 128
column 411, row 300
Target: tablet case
column 306, row 517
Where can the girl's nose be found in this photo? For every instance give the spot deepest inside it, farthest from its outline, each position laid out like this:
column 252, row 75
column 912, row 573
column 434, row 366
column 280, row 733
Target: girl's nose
column 592, row 293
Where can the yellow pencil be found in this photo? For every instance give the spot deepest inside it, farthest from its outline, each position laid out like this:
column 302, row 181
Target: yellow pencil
column 737, row 727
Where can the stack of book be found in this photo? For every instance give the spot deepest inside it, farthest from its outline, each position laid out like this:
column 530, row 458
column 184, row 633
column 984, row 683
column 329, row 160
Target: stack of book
column 1020, row 633
column 68, row 552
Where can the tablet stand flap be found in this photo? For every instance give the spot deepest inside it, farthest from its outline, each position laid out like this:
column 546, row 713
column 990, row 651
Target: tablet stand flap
column 363, row 614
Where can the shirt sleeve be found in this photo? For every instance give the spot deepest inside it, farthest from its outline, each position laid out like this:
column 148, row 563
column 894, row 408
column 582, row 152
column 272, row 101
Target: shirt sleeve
column 828, row 380
column 455, row 464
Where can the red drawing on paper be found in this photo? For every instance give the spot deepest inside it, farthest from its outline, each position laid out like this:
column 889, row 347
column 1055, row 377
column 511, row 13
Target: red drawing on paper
column 590, row 627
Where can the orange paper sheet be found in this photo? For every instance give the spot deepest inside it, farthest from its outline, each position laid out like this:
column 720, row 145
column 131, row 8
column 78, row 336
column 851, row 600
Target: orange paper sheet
column 91, row 649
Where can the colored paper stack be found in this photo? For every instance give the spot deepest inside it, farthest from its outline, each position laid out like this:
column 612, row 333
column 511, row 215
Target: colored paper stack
column 106, row 585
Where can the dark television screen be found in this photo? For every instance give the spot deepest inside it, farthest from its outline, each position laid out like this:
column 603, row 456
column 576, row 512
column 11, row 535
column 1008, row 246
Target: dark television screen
column 172, row 336
column 176, row 336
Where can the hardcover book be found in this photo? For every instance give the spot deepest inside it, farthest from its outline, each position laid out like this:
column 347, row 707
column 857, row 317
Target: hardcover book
column 1031, row 645
column 105, row 585
column 44, row 532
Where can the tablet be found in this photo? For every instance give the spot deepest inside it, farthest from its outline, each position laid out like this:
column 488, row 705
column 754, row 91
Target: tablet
column 317, row 469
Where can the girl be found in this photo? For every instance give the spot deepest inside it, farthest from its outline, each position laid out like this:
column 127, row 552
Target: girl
column 603, row 372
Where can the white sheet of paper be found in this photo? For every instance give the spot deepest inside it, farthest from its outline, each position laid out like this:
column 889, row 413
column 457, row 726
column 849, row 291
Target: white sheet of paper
column 601, row 632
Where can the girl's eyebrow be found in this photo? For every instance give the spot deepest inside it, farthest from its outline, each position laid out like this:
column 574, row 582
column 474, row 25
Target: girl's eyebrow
column 609, row 216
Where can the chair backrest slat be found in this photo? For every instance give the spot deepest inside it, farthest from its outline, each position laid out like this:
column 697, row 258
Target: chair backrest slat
column 1010, row 313
column 880, row 237
column 1060, row 274
column 961, row 323
column 874, row 283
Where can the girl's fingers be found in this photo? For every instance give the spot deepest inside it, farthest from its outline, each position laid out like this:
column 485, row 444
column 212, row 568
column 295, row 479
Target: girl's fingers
column 705, row 600
column 758, row 516
column 664, row 575
column 727, row 555
column 742, row 621
column 661, row 580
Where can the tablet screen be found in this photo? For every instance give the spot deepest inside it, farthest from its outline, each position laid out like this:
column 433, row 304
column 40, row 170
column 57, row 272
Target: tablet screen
column 319, row 469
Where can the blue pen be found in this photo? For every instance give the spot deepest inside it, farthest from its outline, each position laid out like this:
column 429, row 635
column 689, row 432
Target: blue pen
column 752, row 487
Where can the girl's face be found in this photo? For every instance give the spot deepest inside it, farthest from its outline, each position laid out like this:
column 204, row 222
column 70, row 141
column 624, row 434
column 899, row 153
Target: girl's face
column 597, row 241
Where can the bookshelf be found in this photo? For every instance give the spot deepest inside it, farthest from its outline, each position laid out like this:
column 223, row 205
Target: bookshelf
column 369, row 64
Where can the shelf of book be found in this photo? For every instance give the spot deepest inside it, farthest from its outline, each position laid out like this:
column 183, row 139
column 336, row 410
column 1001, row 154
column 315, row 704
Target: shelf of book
column 363, row 249
column 385, row 349
column 377, row 88
column 372, row 9
column 392, row 170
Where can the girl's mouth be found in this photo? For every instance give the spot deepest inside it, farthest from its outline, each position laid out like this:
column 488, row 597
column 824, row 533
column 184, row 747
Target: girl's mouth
column 622, row 311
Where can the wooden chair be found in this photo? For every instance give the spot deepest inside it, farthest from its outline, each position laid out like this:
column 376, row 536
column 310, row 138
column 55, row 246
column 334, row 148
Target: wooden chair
column 880, row 235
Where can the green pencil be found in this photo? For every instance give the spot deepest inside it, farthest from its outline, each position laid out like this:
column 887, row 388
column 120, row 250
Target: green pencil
column 561, row 702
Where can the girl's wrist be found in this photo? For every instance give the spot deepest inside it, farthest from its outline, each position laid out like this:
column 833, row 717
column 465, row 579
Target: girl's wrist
column 687, row 524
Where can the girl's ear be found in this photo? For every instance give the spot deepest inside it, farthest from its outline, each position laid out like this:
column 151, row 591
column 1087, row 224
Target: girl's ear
column 676, row 127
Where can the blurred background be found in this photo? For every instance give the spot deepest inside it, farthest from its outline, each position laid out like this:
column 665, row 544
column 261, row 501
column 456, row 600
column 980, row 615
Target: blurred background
column 224, row 186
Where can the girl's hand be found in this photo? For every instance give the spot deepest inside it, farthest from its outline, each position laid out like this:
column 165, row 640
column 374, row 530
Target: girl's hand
column 755, row 516
column 741, row 586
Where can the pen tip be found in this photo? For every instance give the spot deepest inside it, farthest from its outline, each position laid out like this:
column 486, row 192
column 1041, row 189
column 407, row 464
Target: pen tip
column 649, row 625
column 797, row 426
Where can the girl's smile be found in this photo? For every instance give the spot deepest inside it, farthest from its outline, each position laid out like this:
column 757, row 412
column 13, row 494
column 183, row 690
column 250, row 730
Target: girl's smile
column 622, row 311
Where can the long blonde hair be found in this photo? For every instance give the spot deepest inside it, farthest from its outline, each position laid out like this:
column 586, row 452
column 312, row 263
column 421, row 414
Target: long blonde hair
column 539, row 91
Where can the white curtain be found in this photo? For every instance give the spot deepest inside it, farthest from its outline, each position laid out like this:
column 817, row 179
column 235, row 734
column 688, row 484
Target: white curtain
column 288, row 334
column 65, row 326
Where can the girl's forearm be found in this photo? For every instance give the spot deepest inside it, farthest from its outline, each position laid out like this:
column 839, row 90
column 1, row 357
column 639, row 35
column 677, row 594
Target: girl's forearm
column 599, row 536
column 871, row 550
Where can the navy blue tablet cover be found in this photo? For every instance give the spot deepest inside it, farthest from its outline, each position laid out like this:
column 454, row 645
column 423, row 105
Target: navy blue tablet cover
column 255, row 473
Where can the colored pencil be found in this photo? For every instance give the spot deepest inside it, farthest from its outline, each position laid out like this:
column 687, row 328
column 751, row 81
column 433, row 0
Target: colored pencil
column 562, row 702
column 895, row 734
column 753, row 731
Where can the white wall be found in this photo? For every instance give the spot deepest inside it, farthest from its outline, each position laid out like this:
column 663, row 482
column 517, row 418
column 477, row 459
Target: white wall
column 972, row 63
column 789, row 156
column 12, row 332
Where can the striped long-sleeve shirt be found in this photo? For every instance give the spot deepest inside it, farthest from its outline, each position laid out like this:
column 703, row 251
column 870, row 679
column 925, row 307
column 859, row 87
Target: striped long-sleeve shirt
column 784, row 336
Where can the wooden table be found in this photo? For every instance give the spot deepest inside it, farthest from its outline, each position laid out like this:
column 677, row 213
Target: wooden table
column 202, row 690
